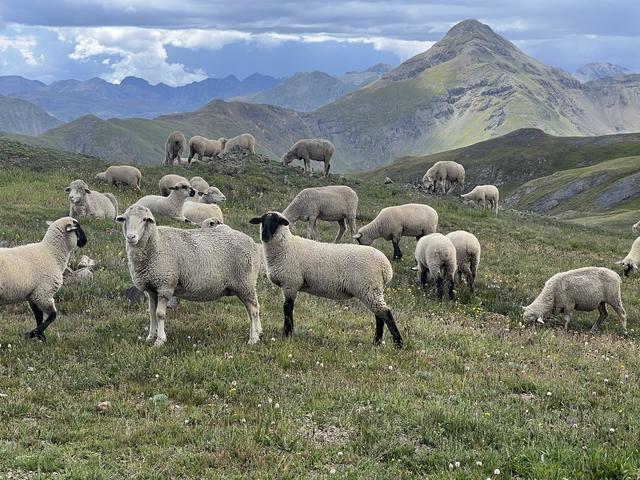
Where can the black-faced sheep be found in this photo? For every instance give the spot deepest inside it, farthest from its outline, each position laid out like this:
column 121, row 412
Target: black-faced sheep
column 436, row 257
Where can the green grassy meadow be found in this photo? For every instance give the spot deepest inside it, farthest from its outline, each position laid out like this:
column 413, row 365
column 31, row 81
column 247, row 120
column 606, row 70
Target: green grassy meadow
column 472, row 395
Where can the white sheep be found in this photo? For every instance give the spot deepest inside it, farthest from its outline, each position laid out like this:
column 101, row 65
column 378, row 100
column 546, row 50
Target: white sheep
column 337, row 271
column 334, row 203
column 84, row 202
column 636, row 228
column 442, row 172
column 198, row 212
column 172, row 205
column 212, row 222
column 199, row 183
column 200, row 264
column 436, row 257
column 209, row 195
column 121, row 174
column 392, row 223
column 482, row 194
column 246, row 141
column 468, row 253
column 34, row 273
column 168, row 181
column 584, row 290
column 174, row 147
column 308, row 149
column 204, row 147
column 631, row 261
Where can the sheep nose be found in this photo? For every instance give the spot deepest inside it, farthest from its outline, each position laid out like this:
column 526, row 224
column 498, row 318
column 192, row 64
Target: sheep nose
column 131, row 237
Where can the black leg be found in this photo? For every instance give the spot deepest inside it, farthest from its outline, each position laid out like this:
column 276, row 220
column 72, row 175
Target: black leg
column 288, row 317
column 439, row 287
column 397, row 254
column 423, row 278
column 418, row 237
column 451, row 293
column 393, row 329
column 472, row 282
column 38, row 332
column 36, row 313
column 377, row 338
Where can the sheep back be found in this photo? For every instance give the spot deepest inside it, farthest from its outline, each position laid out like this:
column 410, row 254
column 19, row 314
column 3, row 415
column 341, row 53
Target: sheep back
column 332, row 203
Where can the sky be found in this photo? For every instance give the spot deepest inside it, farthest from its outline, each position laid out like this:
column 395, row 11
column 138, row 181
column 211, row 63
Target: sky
column 181, row 41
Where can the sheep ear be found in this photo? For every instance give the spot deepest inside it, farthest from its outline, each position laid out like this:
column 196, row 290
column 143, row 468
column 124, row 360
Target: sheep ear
column 256, row 220
column 540, row 320
column 523, row 307
column 49, row 223
column 284, row 221
column 357, row 236
column 620, row 262
column 201, row 193
column 120, row 218
column 87, row 190
column 153, row 220
column 67, row 190
column 414, row 269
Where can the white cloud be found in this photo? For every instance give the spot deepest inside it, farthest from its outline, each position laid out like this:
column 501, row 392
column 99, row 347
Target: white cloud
column 24, row 45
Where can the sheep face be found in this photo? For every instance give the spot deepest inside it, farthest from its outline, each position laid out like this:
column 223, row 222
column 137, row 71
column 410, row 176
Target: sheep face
column 183, row 189
column 212, row 195
column 74, row 236
column 101, row 176
column 629, row 267
column 530, row 316
column 136, row 221
column 362, row 238
column 287, row 158
column 269, row 223
column 211, row 222
column 77, row 191
column 636, row 228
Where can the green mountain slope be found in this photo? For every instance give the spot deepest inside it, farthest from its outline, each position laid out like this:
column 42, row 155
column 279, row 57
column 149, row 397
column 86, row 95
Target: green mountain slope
column 22, row 117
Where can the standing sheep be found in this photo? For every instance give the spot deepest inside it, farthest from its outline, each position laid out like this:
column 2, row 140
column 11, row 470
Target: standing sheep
column 392, row 223
column 174, row 147
column 483, row 194
column 121, row 174
column 204, row 147
column 337, row 271
column 308, row 149
column 334, row 203
column 172, row 205
column 246, row 141
column 201, row 264
column 34, row 273
column 169, row 181
column 442, row 172
column 631, row 261
column 84, row 202
column 436, row 257
column 584, row 290
column 468, row 255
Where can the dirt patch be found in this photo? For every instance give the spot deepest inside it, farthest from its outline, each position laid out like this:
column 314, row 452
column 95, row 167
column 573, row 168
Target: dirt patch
column 323, row 435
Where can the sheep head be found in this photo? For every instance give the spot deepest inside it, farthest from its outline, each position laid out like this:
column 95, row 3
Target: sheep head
column 77, row 191
column 269, row 223
column 183, row 189
column 629, row 266
column 71, row 230
column 137, row 220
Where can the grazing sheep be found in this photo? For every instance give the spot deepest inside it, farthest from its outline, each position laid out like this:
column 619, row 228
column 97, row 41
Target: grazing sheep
column 309, row 149
column 200, row 264
column 84, row 202
column 442, row 172
column 392, row 223
column 334, row 203
column 584, row 290
column 246, row 141
column 34, row 273
column 174, row 147
column 436, row 257
column 630, row 262
column 121, row 174
column 199, row 212
column 468, row 255
column 204, row 147
column 483, row 194
column 199, row 183
column 172, row 205
column 337, row 271
column 169, row 181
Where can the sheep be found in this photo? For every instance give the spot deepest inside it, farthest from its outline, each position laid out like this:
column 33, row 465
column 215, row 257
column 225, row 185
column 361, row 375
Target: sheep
column 636, row 228
column 198, row 212
column 392, row 223
column 212, row 222
column 483, row 194
column 584, row 290
column 630, row 262
column 334, row 203
column 82, row 272
column 121, row 174
column 209, row 195
column 204, row 147
column 337, row 271
column 200, row 264
column 436, row 257
column 246, row 141
column 308, row 149
column 169, row 181
column 467, row 254
column 199, row 183
column 172, row 205
column 174, row 147
column 84, row 202
column 442, row 172
column 34, row 272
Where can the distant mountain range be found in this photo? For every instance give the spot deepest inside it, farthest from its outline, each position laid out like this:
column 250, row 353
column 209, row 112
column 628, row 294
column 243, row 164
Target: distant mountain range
column 595, row 71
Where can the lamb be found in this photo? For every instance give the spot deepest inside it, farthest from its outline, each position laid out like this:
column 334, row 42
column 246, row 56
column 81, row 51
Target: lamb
column 82, row 272
column 121, row 174
column 308, row 149
column 84, row 202
column 200, row 264
column 169, row 181
column 199, row 183
column 436, row 257
column 334, row 203
column 172, row 205
column 392, row 223
column 246, row 141
column 483, row 194
column 204, row 147
column 199, row 212
column 34, row 272
column 442, row 172
column 337, row 271
column 584, row 290
column 630, row 262
column 467, row 254
column 212, row 222
column 174, row 147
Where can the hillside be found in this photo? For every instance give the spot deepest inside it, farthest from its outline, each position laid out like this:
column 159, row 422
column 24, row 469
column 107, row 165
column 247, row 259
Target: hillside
column 595, row 71
column 18, row 116
column 471, row 387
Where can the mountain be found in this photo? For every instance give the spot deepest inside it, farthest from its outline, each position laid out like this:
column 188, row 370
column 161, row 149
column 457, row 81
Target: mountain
column 595, row 71
column 306, row 91
column 18, row 116
column 12, row 84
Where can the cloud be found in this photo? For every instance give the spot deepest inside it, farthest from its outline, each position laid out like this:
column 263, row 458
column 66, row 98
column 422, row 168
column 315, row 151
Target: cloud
column 24, row 45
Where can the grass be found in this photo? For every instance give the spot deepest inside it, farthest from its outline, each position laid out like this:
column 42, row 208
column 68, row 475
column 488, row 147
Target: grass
column 470, row 386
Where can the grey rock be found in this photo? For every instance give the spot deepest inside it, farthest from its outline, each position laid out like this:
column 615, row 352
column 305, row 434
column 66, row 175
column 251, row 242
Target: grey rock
column 620, row 191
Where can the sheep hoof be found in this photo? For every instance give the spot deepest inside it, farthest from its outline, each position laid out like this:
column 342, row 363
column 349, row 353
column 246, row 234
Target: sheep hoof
column 377, row 342
column 159, row 342
column 253, row 340
column 36, row 335
column 150, row 339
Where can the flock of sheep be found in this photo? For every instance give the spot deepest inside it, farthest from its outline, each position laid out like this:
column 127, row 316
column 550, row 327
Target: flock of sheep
column 214, row 260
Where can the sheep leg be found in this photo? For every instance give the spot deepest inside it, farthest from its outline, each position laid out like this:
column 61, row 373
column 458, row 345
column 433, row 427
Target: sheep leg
column 377, row 336
column 602, row 308
column 307, row 167
column 253, row 310
column 397, row 254
column 39, row 316
column 161, row 312
column 351, row 222
column 622, row 314
column 451, row 291
column 440, row 287
column 567, row 319
column 288, row 316
column 50, row 309
column 153, row 324
column 340, row 231
column 327, row 166
column 392, row 327
column 311, row 228
column 424, row 272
